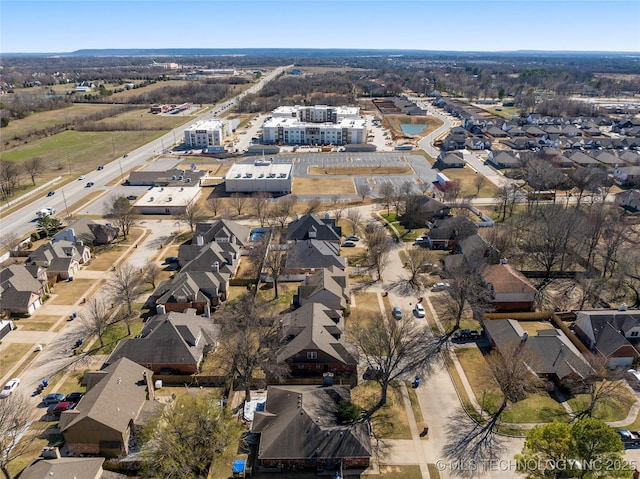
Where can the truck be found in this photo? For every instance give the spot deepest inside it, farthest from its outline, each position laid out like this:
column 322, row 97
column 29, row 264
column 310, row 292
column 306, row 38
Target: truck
column 46, row 212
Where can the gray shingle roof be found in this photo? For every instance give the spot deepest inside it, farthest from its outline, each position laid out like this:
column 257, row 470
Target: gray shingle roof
column 314, row 254
column 68, row 467
column 313, row 227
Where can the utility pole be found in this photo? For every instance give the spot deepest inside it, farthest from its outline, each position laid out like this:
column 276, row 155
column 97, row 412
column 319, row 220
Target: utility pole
column 69, row 161
column 121, row 173
column 65, row 204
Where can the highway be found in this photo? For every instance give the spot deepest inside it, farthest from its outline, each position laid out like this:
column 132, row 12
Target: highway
column 23, row 221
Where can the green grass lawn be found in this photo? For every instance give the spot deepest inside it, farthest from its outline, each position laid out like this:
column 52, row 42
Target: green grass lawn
column 607, row 409
column 114, row 333
column 389, row 422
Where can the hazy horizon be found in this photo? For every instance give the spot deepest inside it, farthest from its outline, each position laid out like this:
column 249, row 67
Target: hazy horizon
column 496, row 26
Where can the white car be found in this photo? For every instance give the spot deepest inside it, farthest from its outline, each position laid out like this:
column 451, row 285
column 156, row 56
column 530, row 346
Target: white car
column 440, row 286
column 634, row 373
column 81, row 178
column 419, row 310
column 9, row 388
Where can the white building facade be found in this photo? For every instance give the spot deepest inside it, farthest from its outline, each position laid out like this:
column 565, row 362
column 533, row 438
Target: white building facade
column 261, row 175
column 206, row 134
column 315, row 125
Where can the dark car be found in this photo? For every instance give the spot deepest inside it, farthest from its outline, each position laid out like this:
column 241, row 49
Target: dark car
column 100, row 167
column 171, row 259
column 74, row 397
column 466, row 334
column 90, row 184
column 51, row 193
column 132, row 197
column 373, row 372
column 53, row 398
column 396, row 312
column 349, row 244
column 56, row 409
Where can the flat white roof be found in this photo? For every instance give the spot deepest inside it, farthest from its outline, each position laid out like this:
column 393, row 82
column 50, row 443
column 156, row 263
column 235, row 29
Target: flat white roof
column 213, row 124
column 274, row 122
column 167, row 196
column 259, row 169
column 340, row 110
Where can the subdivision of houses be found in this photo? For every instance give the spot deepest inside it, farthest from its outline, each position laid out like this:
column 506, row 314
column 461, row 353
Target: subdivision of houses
column 299, row 430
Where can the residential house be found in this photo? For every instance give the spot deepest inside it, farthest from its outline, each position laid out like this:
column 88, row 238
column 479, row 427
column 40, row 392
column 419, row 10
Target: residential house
column 504, row 159
column 613, row 334
column 516, row 132
column 521, row 143
column 68, row 467
column 299, row 429
column 630, row 157
column 171, row 342
column 510, row 290
column 200, row 290
column 6, row 326
column 20, row 292
column 534, row 132
column 199, row 256
column 328, row 286
column 495, row 132
column 478, row 143
column 432, row 209
column 309, row 255
column 609, row 160
column 583, row 160
column 629, row 200
column 627, row 175
column 103, row 234
column 552, row 355
column 454, row 142
column 223, row 231
column 118, row 400
column 61, row 258
column 313, row 342
column 312, row 227
column 78, row 230
column 449, row 160
column 447, row 232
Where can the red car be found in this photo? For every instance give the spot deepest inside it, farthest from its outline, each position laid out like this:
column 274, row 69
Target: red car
column 56, row 409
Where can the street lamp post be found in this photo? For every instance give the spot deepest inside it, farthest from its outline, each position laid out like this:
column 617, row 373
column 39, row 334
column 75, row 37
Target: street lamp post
column 121, row 173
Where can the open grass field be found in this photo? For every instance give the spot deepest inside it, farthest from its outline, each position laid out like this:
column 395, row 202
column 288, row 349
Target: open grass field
column 142, row 118
column 324, row 186
column 105, row 259
column 360, row 170
column 465, row 177
column 68, row 292
column 10, row 354
column 37, row 323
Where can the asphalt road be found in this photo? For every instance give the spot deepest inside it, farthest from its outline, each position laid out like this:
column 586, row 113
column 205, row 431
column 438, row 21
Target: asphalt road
column 22, row 222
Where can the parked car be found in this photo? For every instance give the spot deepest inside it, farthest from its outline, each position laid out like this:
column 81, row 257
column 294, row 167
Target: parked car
column 81, row 177
column 419, row 311
column 90, row 184
column 53, row 398
column 56, row 409
column 348, row 244
column 440, row 286
column 100, row 167
column 132, row 197
column 353, row 238
column 9, row 388
column 171, row 259
column 396, row 312
column 466, row 334
column 629, row 438
column 74, row 397
column 51, row 193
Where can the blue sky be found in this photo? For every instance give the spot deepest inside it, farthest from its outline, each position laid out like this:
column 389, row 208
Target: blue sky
column 499, row 25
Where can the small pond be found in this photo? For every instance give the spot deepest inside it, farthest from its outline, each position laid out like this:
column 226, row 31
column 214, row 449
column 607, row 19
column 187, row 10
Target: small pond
column 412, row 129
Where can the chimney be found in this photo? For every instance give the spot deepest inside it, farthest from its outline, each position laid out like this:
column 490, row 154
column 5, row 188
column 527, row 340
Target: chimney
column 160, row 309
column 50, row 453
column 215, row 267
column 199, row 240
column 207, row 311
column 233, row 239
column 306, row 279
column 230, row 259
column 525, row 336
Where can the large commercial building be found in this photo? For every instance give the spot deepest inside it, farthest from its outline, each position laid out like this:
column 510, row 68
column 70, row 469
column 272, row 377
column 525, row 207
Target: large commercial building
column 208, row 134
column 166, row 200
column 261, row 175
column 315, row 125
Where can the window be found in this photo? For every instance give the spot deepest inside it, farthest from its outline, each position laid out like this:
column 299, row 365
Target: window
column 312, row 355
column 634, row 333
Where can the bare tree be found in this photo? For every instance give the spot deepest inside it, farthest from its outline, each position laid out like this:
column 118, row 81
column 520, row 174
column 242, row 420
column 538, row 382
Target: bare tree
column 506, row 200
column 282, row 211
column 415, row 265
column 465, row 290
column 354, row 216
column 338, row 211
column 312, row 206
column 260, row 205
column 615, row 234
column 192, row 215
column 478, row 182
column 387, row 192
column 15, row 439
column 379, row 247
column 215, row 204
column 395, row 349
column 239, row 201
column 95, row 318
column 34, row 167
column 9, row 240
column 365, row 190
column 9, row 177
column 600, row 384
column 250, row 341
column 119, row 209
column 151, row 274
column 124, row 284
column 274, row 263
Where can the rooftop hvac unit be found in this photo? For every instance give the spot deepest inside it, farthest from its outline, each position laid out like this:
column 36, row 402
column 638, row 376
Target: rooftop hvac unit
column 238, row 175
column 170, row 198
column 151, row 198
